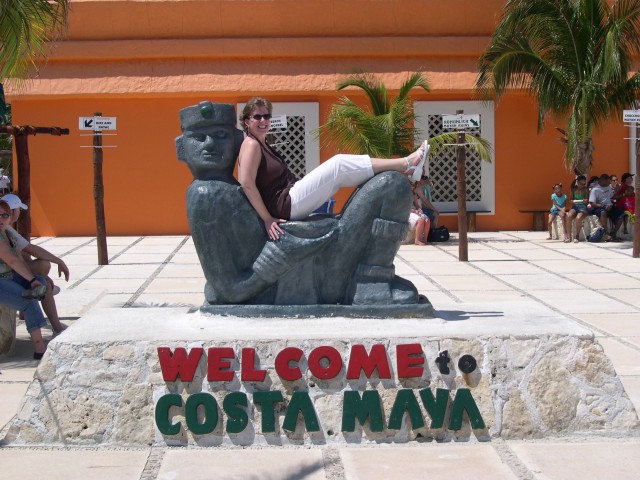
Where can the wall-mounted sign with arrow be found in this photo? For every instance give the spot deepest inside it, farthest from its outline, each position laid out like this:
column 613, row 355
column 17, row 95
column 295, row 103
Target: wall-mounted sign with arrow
column 97, row 123
column 456, row 122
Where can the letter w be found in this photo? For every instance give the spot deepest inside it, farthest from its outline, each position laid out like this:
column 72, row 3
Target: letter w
column 178, row 363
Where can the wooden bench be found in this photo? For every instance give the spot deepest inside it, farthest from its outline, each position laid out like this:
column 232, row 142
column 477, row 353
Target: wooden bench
column 538, row 219
column 471, row 217
column 7, row 330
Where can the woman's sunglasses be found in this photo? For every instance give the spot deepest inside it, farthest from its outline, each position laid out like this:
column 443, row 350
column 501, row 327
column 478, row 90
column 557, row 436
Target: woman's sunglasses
column 4, row 215
column 259, row 117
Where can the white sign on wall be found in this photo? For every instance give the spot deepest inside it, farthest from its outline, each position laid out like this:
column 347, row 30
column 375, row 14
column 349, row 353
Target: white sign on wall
column 460, row 121
column 97, row 123
column 279, row 121
column 631, row 116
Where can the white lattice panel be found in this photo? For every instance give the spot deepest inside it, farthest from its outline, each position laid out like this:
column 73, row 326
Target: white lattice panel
column 480, row 175
column 290, row 143
column 442, row 168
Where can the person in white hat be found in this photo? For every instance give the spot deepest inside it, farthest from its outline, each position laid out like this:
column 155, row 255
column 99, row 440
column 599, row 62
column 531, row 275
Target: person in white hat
column 40, row 264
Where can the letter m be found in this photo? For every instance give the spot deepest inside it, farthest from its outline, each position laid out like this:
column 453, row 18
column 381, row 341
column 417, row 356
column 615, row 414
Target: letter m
column 179, row 363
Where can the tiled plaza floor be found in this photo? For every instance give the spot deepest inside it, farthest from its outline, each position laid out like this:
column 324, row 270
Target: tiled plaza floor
column 595, row 285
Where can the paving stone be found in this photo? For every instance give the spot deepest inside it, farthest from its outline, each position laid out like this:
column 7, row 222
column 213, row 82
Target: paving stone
column 626, row 360
column 199, row 464
column 551, row 460
column 176, row 285
column 429, row 460
column 12, row 394
column 617, row 324
column 62, row 464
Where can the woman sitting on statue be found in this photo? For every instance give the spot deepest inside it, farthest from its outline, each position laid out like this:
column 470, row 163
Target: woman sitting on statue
column 275, row 193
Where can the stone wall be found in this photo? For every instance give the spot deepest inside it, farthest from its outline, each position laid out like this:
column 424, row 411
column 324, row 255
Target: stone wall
column 90, row 392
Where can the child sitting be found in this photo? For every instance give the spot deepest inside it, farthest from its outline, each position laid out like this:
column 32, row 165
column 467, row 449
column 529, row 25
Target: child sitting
column 627, row 203
column 558, row 201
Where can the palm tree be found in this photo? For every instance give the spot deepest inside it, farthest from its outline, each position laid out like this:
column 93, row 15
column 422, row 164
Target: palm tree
column 25, row 28
column 385, row 129
column 574, row 57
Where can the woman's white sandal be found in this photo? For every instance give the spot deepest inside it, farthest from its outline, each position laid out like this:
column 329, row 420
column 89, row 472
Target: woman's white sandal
column 419, row 170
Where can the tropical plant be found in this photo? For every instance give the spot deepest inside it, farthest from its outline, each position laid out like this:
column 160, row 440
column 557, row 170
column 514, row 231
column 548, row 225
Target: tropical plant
column 384, row 129
column 574, row 57
column 25, row 28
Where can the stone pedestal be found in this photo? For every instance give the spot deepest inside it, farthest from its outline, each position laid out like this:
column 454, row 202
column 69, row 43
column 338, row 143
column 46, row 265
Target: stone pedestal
column 516, row 370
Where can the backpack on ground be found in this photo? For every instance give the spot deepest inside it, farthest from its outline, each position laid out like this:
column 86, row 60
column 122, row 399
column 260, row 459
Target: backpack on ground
column 596, row 235
column 440, row 234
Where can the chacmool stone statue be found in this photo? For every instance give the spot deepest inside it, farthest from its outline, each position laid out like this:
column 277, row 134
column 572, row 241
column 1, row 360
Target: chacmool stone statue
column 323, row 266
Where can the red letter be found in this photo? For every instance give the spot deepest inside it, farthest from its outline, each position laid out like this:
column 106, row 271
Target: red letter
column 247, row 370
column 178, row 364
column 359, row 360
column 284, row 371
column 219, row 359
column 332, row 369
column 410, row 360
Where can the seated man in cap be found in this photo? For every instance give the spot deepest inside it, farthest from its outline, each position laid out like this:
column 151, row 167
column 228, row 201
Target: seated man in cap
column 40, row 264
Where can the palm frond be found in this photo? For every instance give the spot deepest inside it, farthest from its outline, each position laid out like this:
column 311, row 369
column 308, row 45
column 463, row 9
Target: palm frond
column 574, row 57
column 25, row 28
column 444, row 142
column 372, row 87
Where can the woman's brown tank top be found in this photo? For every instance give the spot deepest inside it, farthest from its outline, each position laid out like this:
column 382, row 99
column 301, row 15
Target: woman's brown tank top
column 274, row 180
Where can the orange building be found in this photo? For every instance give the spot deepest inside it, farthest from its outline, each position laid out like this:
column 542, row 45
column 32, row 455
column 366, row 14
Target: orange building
column 142, row 61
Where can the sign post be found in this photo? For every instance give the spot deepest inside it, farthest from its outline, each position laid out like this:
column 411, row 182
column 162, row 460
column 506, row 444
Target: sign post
column 461, row 183
column 633, row 116
column 97, row 123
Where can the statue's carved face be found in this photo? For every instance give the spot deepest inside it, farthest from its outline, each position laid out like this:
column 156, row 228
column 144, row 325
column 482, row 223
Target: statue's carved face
column 209, row 150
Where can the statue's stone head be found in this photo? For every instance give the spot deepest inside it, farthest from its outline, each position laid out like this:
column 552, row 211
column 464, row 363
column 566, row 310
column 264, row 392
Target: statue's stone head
column 210, row 142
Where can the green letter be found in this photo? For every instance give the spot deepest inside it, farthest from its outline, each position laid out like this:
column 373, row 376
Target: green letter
column 301, row 402
column 266, row 401
column 405, row 401
column 464, row 401
column 210, row 413
column 238, row 417
column 165, row 402
column 369, row 406
column 436, row 408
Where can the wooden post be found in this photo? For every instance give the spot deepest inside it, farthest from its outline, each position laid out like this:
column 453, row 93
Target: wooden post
column 461, row 187
column 24, row 180
column 98, row 196
column 636, row 215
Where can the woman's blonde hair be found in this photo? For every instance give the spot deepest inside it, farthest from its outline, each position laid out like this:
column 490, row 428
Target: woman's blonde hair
column 250, row 106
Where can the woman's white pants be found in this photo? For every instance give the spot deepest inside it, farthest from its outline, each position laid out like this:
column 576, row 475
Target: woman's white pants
column 315, row 188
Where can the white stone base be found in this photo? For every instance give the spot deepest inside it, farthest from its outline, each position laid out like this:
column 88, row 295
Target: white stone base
column 538, row 375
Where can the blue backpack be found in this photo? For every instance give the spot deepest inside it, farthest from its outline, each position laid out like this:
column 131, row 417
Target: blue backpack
column 596, row 235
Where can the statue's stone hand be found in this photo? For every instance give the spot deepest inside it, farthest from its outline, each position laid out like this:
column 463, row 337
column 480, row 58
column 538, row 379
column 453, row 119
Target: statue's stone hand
column 280, row 256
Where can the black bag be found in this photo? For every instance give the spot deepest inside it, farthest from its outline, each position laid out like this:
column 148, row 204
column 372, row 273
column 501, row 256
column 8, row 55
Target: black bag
column 440, row 234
